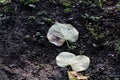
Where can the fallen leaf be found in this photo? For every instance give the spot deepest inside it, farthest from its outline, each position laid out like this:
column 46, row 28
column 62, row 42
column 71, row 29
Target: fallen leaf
column 63, row 58
column 78, row 63
column 58, row 33
column 76, row 76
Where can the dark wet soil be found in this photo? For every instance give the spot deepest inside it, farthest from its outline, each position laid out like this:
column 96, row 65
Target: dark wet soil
column 24, row 55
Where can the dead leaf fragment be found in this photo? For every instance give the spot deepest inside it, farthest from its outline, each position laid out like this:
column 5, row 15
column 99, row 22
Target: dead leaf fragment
column 76, row 76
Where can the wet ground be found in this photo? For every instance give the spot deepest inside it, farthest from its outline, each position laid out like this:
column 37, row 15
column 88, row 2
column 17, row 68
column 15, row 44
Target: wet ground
column 26, row 54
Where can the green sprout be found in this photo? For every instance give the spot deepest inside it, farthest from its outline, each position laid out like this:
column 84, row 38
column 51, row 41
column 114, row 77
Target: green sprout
column 67, row 4
column 67, row 10
column 118, row 6
column 113, row 44
column 100, row 3
column 31, row 17
column 93, row 33
column 49, row 20
column 4, row 1
column 117, row 46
